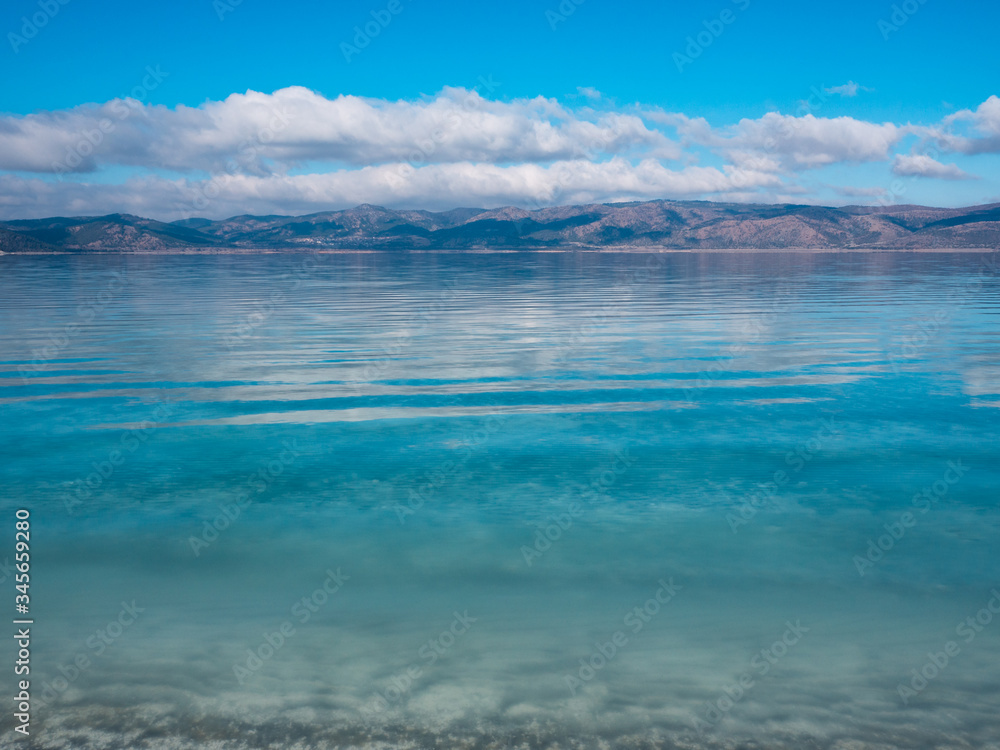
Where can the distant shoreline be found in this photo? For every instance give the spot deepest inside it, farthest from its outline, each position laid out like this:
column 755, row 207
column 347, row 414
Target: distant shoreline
column 647, row 227
column 619, row 250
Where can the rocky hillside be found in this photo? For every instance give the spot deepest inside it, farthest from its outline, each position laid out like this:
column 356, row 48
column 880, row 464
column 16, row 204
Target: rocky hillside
column 666, row 224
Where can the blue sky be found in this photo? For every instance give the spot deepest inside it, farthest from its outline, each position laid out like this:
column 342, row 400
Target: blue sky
column 601, row 59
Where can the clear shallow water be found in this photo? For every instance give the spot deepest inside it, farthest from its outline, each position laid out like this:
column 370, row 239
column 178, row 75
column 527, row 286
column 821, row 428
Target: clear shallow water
column 416, row 425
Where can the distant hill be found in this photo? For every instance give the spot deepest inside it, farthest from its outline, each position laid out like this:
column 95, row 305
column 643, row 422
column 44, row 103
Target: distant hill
column 689, row 225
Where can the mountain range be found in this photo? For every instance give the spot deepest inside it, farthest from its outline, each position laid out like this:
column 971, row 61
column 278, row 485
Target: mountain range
column 684, row 225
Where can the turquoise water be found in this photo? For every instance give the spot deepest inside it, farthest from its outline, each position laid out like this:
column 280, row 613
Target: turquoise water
column 514, row 500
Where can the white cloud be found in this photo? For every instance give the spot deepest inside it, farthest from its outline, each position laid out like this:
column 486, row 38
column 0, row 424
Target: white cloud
column 436, row 186
column 985, row 121
column 791, row 142
column 294, row 151
column 265, row 133
column 848, row 89
column 810, row 141
column 921, row 165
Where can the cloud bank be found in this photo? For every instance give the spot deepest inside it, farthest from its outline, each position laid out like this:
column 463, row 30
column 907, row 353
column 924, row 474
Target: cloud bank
column 295, row 151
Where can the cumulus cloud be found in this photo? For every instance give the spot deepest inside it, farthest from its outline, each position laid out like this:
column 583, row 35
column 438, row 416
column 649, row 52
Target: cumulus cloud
column 811, row 141
column 792, row 143
column 268, row 133
column 985, row 124
column 921, row 165
column 295, row 151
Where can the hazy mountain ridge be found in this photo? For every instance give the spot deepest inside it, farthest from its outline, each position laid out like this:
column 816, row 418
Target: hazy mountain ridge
column 667, row 224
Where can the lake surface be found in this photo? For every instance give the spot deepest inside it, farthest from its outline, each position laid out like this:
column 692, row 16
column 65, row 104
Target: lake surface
column 506, row 501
